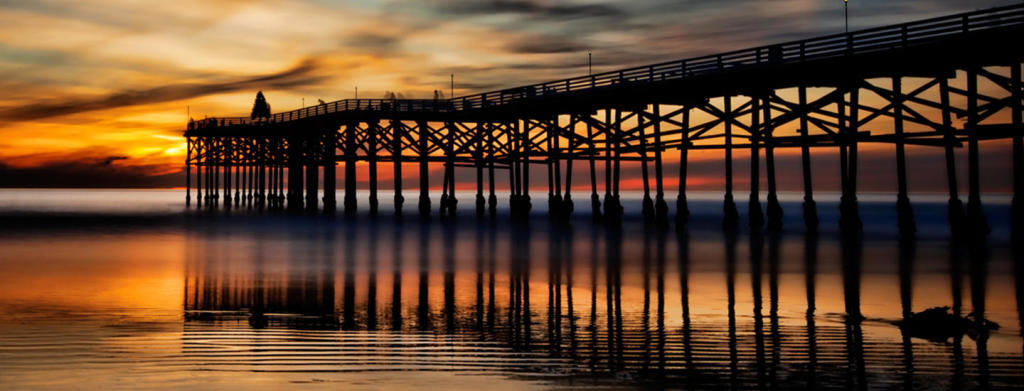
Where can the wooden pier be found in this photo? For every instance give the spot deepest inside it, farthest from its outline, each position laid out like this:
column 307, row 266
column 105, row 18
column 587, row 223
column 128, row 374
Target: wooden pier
column 836, row 92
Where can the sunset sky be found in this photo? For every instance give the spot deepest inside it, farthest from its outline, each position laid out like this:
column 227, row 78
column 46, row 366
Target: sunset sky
column 95, row 92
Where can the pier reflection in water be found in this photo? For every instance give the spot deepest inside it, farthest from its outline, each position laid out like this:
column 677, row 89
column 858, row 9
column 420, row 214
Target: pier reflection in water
column 587, row 303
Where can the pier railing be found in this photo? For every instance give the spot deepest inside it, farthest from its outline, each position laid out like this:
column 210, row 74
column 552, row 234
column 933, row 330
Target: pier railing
column 888, row 38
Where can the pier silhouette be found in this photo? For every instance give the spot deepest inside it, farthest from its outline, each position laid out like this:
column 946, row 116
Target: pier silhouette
column 836, row 92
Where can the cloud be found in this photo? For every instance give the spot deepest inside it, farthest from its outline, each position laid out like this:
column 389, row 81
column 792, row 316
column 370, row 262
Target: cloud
column 536, row 9
column 88, row 168
column 545, row 45
column 299, row 75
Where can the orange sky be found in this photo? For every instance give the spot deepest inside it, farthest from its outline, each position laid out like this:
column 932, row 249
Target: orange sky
column 96, row 93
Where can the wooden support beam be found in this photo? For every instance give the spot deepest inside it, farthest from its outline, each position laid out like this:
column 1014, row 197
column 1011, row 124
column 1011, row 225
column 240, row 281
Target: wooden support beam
column 198, row 145
column 492, row 197
column 188, row 171
column 225, row 162
column 774, row 209
column 549, row 130
column 731, row 214
column 312, row 173
column 595, row 199
column 478, row 157
column 261, row 173
column 350, row 168
column 448, row 201
column 397, row 133
column 904, row 208
column 660, row 206
column 527, row 153
column 809, row 207
column 609, row 141
column 238, row 172
column 849, row 219
column 294, row 173
column 554, row 134
column 647, row 203
column 682, row 205
column 1018, row 150
column 372, row 135
column 330, row 145
column 975, row 215
column 755, row 217
column 567, row 203
column 424, row 202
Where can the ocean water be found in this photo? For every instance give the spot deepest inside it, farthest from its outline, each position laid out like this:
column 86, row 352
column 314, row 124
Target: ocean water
column 112, row 289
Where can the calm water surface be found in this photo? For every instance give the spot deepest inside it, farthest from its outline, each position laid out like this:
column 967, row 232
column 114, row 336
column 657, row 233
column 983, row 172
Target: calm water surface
column 126, row 289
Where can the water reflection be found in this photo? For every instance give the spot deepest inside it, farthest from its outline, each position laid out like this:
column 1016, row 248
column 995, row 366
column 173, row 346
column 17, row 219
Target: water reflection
column 472, row 292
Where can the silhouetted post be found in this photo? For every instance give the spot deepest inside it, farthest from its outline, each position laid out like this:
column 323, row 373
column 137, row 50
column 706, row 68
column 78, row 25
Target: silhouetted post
column 608, row 141
column 294, row 174
column 424, row 204
column 261, row 173
column 448, row 201
column 199, row 174
column 514, row 169
column 275, row 170
column 492, row 198
column 755, row 216
column 1018, row 148
column 648, row 203
column 809, row 206
column 612, row 207
column 330, row 175
column 906, row 211
column 617, row 167
column 188, row 174
column 595, row 199
column 227, row 154
column 556, row 165
column 350, row 169
column 247, row 179
column 280, row 186
column 372, row 128
column 774, row 209
column 444, row 179
column 849, row 218
column 732, row 215
column 217, row 164
column 975, row 215
column 267, row 179
column 203, row 182
column 660, row 206
column 567, row 204
column 312, row 173
column 397, row 132
column 478, row 162
column 210, row 172
column 527, row 152
column 272, row 176
column 238, row 180
column 682, row 206
column 549, row 130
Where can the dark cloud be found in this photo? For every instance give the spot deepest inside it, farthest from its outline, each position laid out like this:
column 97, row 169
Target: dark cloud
column 374, row 41
column 88, row 173
column 545, row 45
column 299, row 75
column 110, row 159
column 536, row 9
